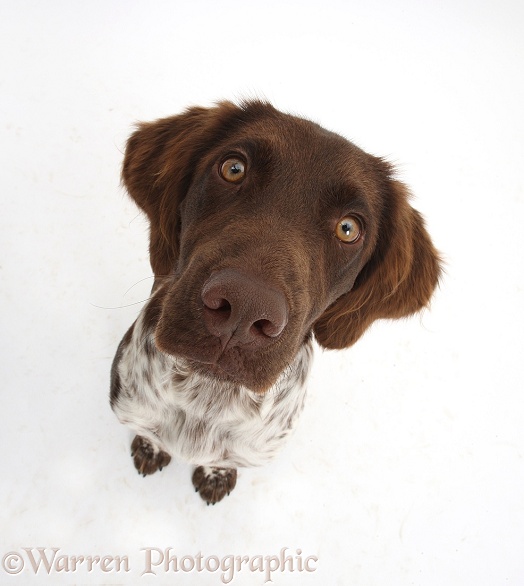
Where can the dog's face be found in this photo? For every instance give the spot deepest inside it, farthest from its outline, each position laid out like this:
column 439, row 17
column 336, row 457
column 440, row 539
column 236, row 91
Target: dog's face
column 266, row 227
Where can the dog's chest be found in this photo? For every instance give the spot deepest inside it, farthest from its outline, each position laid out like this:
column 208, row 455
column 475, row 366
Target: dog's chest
column 202, row 420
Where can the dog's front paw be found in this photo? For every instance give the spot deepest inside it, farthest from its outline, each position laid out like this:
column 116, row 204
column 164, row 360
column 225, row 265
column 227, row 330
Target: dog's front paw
column 147, row 457
column 214, row 483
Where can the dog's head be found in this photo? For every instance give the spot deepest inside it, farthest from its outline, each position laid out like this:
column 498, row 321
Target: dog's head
column 266, row 227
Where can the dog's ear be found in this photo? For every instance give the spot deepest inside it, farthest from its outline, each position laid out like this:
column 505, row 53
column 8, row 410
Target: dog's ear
column 397, row 281
column 157, row 171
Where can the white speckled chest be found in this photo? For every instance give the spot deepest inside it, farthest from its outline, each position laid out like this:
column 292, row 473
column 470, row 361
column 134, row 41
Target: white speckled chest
column 201, row 420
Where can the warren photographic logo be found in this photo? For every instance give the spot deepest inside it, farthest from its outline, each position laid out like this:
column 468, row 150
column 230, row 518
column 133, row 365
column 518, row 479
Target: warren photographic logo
column 156, row 561
column 51, row 560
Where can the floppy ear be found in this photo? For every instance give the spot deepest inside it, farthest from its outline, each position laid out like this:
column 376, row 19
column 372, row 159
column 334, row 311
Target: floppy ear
column 157, row 171
column 397, row 281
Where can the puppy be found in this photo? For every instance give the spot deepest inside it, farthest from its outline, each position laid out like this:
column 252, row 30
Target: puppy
column 266, row 231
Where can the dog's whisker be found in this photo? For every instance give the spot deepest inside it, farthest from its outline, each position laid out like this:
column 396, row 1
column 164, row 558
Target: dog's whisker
column 121, row 306
column 141, row 281
column 249, row 246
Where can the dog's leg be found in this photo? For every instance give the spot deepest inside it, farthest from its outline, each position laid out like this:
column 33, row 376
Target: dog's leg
column 214, row 483
column 147, row 457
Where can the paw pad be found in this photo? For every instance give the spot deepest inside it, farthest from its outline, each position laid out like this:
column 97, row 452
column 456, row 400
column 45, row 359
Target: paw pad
column 148, row 458
column 214, row 484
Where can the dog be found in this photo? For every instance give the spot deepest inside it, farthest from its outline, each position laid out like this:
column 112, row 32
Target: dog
column 266, row 231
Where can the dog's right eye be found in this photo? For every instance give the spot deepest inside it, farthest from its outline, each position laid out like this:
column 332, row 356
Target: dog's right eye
column 233, row 170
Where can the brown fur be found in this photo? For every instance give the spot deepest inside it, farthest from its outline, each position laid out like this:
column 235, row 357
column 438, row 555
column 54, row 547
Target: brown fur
column 397, row 281
column 276, row 227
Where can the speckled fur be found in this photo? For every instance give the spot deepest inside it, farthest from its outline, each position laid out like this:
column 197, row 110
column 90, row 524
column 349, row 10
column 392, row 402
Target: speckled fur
column 247, row 271
column 198, row 419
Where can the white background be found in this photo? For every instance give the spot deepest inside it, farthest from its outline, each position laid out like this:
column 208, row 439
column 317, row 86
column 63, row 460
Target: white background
column 407, row 467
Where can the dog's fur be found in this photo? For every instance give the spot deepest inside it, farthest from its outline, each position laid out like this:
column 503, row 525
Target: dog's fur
column 246, row 205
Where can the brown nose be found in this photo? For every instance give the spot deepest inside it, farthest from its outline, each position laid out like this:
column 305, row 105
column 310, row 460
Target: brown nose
column 243, row 310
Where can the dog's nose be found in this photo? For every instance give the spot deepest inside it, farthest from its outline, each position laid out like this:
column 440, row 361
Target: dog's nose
column 243, row 310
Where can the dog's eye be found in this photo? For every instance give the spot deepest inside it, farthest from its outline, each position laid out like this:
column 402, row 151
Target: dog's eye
column 349, row 229
column 233, row 170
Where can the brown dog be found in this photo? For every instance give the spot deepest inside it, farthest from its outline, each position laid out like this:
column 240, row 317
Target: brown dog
column 265, row 230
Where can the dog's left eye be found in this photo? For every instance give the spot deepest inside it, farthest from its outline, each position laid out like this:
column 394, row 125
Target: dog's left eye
column 233, row 170
column 349, row 229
